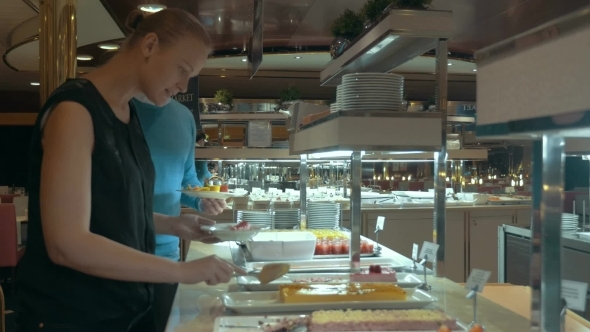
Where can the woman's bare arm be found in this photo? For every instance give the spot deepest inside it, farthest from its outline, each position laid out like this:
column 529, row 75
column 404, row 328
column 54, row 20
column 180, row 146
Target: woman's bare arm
column 65, row 207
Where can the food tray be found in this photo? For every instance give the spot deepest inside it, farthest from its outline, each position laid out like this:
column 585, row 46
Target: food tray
column 256, row 323
column 251, row 283
column 333, row 265
column 268, row 302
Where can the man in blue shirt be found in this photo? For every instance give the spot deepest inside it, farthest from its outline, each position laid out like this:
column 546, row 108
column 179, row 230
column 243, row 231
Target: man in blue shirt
column 170, row 133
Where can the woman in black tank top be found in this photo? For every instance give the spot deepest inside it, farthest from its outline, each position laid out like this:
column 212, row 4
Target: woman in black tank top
column 89, row 264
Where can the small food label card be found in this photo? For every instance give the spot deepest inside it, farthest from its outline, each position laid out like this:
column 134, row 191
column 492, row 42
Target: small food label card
column 574, row 293
column 428, row 252
column 477, row 280
column 380, row 223
column 415, row 252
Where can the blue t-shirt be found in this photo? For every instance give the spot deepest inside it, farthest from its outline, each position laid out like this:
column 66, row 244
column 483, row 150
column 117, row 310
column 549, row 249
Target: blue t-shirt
column 170, row 133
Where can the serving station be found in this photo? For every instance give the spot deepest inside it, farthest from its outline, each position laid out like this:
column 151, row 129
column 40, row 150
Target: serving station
column 400, row 264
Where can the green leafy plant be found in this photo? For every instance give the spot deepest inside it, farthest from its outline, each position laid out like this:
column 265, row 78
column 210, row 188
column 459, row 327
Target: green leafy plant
column 290, row 94
column 349, row 25
column 373, row 9
column 224, row 96
column 412, row 4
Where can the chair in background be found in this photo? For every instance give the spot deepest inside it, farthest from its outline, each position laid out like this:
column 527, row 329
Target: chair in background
column 10, row 253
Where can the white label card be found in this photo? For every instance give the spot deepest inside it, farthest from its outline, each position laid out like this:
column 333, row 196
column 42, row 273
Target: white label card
column 477, row 280
column 574, row 293
column 415, row 252
column 380, row 223
column 428, row 251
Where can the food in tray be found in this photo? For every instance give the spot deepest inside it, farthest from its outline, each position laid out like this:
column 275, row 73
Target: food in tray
column 375, row 273
column 380, row 320
column 476, row 328
column 197, row 188
column 241, row 226
column 214, row 188
column 340, row 247
column 319, row 280
column 310, row 293
column 285, row 324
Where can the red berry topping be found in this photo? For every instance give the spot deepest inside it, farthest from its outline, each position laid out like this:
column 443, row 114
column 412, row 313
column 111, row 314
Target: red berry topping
column 371, row 268
column 377, row 269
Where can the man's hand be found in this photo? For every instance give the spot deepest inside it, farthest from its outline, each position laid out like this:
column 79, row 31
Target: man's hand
column 212, row 207
column 188, row 226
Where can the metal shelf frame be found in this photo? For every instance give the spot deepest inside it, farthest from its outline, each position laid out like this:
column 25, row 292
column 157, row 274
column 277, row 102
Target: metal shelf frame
column 385, row 131
column 559, row 114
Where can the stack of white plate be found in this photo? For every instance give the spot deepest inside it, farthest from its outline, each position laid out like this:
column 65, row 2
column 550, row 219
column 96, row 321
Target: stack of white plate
column 257, row 218
column 371, row 91
column 286, row 219
column 335, row 106
column 569, row 223
column 323, row 215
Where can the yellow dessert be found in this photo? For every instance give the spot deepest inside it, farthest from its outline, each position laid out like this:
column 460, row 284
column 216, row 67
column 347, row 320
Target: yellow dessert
column 310, row 293
column 204, row 189
column 214, row 188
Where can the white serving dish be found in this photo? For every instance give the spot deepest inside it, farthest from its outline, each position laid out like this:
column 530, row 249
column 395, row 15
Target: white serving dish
column 213, row 194
column 251, row 283
column 252, row 323
column 282, row 246
column 268, row 302
column 225, row 233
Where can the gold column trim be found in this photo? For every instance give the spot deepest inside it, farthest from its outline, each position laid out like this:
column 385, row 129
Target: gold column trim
column 18, row 119
column 57, row 44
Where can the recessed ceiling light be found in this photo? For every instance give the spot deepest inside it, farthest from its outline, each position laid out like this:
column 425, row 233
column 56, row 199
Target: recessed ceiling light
column 474, row 69
column 151, row 8
column 109, row 46
column 297, row 57
column 83, row 57
column 450, row 64
column 222, row 76
column 234, row 48
column 35, row 83
column 244, row 60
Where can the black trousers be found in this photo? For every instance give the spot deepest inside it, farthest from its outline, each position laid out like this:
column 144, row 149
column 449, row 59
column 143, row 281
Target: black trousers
column 163, row 300
column 143, row 324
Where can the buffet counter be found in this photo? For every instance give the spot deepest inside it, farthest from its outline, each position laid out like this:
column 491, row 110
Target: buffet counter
column 196, row 306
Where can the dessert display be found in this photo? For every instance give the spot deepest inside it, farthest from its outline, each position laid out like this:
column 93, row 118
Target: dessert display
column 241, row 226
column 285, row 324
column 349, row 292
column 340, row 247
column 380, row 320
column 375, row 273
column 319, row 280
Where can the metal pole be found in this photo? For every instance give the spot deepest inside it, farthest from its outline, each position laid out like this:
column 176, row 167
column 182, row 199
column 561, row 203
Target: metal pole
column 535, row 263
column 303, row 176
column 57, row 44
column 440, row 164
column 344, row 182
column 550, row 239
column 355, row 212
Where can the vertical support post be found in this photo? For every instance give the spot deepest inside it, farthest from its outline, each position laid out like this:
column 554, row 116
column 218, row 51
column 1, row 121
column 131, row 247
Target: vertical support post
column 440, row 158
column 535, row 263
column 57, row 44
column 355, row 212
column 344, row 182
column 550, row 238
column 303, row 176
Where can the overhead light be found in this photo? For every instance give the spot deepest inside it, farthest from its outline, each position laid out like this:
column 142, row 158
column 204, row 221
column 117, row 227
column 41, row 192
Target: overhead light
column 474, row 69
column 234, row 48
column 109, row 46
column 222, row 76
column 244, row 60
column 35, row 83
column 450, row 64
column 297, row 57
column 83, row 57
column 152, row 8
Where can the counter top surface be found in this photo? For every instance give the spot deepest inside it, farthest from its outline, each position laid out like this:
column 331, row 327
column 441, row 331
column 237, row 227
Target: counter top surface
column 196, row 306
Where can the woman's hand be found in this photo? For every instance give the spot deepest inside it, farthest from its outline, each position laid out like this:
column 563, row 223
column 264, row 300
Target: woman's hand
column 211, row 269
column 212, row 206
column 188, row 226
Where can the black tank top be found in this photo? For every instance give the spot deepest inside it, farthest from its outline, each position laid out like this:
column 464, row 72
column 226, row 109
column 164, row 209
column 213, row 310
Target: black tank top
column 122, row 205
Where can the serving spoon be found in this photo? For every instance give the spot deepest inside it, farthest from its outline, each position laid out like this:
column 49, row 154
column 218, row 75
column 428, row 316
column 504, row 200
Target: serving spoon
column 272, row 271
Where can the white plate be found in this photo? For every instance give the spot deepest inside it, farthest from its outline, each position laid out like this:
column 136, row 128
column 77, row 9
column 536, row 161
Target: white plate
column 268, row 302
column 323, row 265
column 251, row 323
column 405, row 280
column 213, row 194
column 223, row 232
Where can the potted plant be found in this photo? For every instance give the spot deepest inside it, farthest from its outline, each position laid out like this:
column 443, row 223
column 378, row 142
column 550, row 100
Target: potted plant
column 345, row 28
column 225, row 98
column 373, row 9
column 287, row 96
